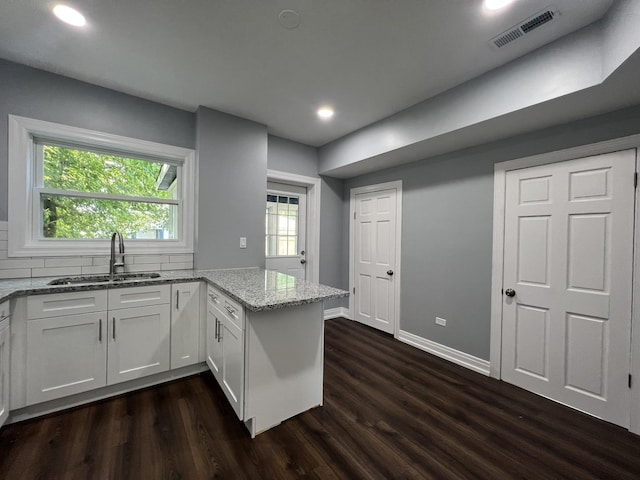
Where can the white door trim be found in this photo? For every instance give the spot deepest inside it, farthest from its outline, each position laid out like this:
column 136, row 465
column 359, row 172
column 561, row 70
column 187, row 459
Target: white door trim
column 499, row 189
column 397, row 184
column 312, row 185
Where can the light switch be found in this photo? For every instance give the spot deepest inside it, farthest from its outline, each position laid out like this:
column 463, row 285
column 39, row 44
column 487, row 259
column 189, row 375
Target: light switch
column 243, row 242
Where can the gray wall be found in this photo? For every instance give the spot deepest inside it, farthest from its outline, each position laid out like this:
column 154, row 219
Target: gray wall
column 33, row 93
column 292, row 157
column 232, row 181
column 447, row 228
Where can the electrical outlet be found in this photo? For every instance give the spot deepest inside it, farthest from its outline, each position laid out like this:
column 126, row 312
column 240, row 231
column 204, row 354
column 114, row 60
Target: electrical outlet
column 441, row 321
column 243, row 242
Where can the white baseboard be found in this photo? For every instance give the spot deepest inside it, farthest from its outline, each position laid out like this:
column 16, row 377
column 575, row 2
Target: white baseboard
column 460, row 358
column 330, row 313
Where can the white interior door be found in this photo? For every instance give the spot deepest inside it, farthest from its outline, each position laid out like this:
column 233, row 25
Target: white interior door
column 375, row 258
column 286, row 225
column 568, row 260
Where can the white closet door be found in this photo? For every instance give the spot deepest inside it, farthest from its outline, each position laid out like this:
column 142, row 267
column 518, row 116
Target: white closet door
column 375, row 253
column 568, row 259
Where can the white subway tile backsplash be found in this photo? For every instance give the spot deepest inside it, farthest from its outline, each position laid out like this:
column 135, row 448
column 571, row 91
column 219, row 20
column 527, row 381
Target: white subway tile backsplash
column 16, row 273
column 19, row 267
column 177, row 266
column 143, row 267
column 148, row 259
column 181, row 258
column 13, row 263
column 55, row 271
column 101, row 261
column 68, row 262
column 95, row 270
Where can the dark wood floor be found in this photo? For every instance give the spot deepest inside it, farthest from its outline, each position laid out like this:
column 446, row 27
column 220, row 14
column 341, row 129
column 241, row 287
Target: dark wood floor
column 391, row 411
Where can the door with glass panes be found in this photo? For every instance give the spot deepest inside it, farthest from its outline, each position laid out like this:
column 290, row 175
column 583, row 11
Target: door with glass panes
column 285, row 229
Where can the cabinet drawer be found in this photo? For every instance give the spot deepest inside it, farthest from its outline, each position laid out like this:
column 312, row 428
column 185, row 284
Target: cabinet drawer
column 60, row 304
column 230, row 308
column 214, row 296
column 4, row 310
column 139, row 296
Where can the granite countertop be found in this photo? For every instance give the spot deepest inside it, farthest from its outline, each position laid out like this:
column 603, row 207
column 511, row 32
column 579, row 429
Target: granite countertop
column 255, row 288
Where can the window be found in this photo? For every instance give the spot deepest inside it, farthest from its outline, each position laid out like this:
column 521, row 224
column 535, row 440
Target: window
column 81, row 186
column 281, row 225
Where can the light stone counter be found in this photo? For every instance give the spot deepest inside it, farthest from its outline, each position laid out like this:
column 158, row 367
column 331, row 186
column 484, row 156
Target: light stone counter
column 255, row 288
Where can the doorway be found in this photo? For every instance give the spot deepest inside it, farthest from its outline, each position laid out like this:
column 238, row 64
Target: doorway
column 285, row 226
column 375, row 233
column 312, row 230
column 563, row 262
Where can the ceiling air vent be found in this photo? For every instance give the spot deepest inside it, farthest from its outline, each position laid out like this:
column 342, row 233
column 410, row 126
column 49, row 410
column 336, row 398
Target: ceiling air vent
column 527, row 26
column 538, row 21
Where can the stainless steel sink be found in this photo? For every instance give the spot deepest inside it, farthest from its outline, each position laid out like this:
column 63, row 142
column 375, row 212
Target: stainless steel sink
column 103, row 278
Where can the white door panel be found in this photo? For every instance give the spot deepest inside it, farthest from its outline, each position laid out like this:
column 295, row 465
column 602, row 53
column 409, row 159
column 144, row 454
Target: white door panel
column 375, row 253
column 293, row 260
column 185, row 324
column 139, row 342
column 568, row 256
column 65, row 355
column 214, row 345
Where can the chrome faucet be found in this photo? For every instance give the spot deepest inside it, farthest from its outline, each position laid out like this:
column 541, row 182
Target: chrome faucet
column 113, row 265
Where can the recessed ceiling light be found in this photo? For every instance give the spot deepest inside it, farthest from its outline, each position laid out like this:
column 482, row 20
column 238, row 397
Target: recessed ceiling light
column 69, row 15
column 325, row 113
column 496, row 4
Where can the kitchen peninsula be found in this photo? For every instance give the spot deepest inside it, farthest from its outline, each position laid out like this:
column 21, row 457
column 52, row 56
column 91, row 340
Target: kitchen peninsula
column 260, row 332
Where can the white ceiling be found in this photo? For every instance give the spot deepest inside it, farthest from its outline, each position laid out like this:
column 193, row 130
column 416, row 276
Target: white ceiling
column 368, row 58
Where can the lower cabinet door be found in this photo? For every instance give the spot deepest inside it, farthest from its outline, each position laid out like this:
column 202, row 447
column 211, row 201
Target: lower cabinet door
column 4, row 371
column 185, row 324
column 214, row 342
column 65, row 355
column 233, row 366
column 139, row 342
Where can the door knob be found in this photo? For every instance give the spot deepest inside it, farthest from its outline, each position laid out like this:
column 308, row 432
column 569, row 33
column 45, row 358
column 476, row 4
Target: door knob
column 303, row 261
column 510, row 292
column 389, row 272
column 302, row 252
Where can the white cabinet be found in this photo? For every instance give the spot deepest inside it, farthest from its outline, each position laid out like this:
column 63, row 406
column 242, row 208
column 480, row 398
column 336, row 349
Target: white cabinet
column 66, row 350
column 139, row 296
column 59, row 304
column 66, row 355
column 214, row 346
column 4, row 362
column 185, row 324
column 73, row 344
column 225, row 346
column 138, row 342
column 232, row 341
column 139, row 332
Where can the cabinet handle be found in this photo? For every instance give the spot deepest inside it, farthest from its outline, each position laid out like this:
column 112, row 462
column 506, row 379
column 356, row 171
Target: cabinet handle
column 114, row 328
column 178, row 300
column 100, row 331
column 215, row 335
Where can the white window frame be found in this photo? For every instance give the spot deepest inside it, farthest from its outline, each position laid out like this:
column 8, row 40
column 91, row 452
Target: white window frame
column 24, row 239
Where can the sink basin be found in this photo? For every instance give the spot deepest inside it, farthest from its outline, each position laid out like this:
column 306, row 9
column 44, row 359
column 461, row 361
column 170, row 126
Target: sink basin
column 103, row 278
